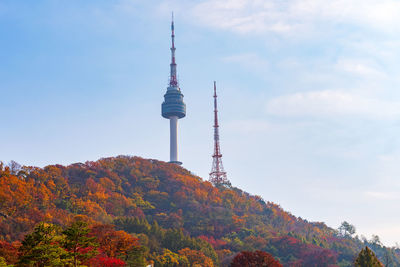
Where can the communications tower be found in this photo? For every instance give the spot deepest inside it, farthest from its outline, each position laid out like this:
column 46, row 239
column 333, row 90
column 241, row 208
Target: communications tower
column 173, row 107
column 217, row 174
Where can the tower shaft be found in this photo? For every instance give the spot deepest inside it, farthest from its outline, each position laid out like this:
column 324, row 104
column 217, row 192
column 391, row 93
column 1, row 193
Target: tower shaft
column 173, row 126
column 217, row 174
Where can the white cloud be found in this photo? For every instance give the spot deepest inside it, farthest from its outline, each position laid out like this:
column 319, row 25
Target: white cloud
column 359, row 67
column 258, row 16
column 332, row 103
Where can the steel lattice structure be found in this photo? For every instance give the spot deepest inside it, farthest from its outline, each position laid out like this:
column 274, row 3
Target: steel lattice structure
column 217, row 174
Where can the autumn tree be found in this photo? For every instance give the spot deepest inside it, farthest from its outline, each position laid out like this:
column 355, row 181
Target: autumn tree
column 113, row 243
column 78, row 243
column 3, row 263
column 42, row 247
column 9, row 251
column 105, row 261
column 318, row 258
column 367, row 258
column 196, row 258
column 254, row 259
column 166, row 207
column 171, row 259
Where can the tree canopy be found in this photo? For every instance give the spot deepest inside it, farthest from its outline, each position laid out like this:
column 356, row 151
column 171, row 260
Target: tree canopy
column 129, row 210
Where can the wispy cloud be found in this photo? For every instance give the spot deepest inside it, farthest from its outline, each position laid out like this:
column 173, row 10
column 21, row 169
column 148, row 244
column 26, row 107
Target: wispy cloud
column 257, row 16
column 360, row 67
column 332, row 103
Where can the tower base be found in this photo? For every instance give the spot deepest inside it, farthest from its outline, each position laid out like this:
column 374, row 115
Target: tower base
column 175, row 162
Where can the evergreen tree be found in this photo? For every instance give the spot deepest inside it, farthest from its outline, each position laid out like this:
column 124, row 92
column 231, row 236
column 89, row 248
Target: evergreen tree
column 42, row 247
column 135, row 257
column 77, row 242
column 367, row 258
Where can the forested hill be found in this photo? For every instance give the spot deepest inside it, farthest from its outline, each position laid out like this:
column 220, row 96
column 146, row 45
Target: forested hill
column 167, row 207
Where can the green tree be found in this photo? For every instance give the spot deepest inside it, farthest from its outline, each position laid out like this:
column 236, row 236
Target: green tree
column 347, row 229
column 77, row 242
column 136, row 256
column 43, row 247
column 367, row 258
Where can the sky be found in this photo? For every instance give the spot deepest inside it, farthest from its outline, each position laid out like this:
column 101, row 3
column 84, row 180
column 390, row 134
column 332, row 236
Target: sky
column 309, row 99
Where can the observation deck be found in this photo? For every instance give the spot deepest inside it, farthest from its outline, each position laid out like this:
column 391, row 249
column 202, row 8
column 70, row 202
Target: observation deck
column 173, row 104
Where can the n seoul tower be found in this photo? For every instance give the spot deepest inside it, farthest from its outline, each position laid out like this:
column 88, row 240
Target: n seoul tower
column 173, row 107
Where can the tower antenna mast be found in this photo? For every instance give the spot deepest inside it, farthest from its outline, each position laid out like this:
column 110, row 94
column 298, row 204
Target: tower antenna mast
column 217, row 174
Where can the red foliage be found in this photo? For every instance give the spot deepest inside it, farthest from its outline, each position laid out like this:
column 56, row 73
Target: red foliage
column 167, row 194
column 318, row 258
column 104, row 261
column 113, row 243
column 216, row 243
column 254, row 259
column 9, row 251
column 308, row 255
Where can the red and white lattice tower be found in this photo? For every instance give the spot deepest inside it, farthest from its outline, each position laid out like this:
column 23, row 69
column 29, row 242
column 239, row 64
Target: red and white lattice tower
column 217, row 174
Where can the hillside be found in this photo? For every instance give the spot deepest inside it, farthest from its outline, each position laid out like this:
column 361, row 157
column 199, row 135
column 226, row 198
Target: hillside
column 166, row 207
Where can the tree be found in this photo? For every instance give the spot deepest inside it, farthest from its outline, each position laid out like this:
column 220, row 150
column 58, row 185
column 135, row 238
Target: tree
column 113, row 243
column 136, row 256
column 318, row 258
column 367, row 258
column 78, row 243
column 196, row 257
column 3, row 263
column 347, row 229
column 375, row 240
column 15, row 167
column 9, row 251
column 254, row 259
column 105, row 261
column 388, row 256
column 170, row 259
column 42, row 247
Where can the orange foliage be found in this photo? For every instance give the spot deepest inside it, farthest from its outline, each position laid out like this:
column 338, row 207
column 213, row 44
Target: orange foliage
column 196, row 257
column 113, row 243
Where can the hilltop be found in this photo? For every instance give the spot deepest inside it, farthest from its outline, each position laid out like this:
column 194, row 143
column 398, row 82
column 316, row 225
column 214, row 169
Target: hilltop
column 165, row 206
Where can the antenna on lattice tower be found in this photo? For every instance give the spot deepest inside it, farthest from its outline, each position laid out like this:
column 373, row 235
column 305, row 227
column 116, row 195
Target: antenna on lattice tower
column 217, row 174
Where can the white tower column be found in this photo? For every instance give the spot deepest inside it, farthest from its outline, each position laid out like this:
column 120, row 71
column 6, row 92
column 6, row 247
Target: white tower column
column 173, row 123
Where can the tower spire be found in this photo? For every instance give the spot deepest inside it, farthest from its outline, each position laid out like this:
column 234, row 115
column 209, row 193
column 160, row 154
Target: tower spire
column 217, row 174
column 173, row 81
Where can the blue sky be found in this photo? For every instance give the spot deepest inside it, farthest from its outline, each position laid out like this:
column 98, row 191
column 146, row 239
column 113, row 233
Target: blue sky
column 309, row 94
